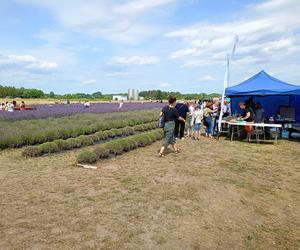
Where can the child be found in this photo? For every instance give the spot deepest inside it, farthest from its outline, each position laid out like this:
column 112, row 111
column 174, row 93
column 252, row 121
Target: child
column 198, row 119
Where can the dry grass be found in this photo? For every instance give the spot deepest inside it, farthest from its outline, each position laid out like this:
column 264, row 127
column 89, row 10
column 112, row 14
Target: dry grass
column 214, row 195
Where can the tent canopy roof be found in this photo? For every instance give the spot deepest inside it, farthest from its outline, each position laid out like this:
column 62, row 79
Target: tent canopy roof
column 262, row 84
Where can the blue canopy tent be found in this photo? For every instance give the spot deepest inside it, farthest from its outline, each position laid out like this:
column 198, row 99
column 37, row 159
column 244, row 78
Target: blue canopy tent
column 269, row 91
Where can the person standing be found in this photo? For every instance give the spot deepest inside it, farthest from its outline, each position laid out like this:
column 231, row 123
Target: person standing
column 182, row 109
column 208, row 121
column 121, row 104
column 247, row 116
column 226, row 108
column 198, row 120
column 10, row 107
column 22, row 106
column 259, row 113
column 191, row 119
column 171, row 115
column 214, row 115
column 2, row 108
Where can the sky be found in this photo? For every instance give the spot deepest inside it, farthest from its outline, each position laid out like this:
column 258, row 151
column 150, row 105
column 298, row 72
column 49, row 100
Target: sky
column 70, row 46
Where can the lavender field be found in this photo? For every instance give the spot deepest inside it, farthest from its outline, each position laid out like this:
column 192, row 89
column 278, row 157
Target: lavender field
column 60, row 110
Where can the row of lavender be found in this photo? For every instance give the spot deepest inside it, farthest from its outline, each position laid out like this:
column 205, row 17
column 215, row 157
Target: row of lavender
column 60, row 110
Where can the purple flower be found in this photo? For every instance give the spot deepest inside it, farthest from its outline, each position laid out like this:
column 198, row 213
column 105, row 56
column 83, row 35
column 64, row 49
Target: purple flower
column 59, row 110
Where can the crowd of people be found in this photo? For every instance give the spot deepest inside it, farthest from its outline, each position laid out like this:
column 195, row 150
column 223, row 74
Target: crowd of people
column 12, row 106
column 202, row 115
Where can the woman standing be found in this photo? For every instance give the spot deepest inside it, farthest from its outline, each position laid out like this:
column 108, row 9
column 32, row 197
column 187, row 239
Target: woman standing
column 171, row 115
column 247, row 116
column 191, row 120
column 208, row 121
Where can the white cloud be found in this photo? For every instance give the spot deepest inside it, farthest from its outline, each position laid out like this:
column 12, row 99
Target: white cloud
column 207, row 78
column 50, row 36
column 26, row 62
column 165, row 85
column 135, row 60
column 117, row 74
column 88, row 82
column 119, row 21
column 140, row 6
column 183, row 53
column 268, row 34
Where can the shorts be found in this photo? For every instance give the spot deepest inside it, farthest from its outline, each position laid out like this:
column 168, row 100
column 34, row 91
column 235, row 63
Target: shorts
column 248, row 128
column 197, row 127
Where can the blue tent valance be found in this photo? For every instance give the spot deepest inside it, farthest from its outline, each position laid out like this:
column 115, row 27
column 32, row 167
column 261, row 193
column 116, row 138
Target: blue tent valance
column 262, row 84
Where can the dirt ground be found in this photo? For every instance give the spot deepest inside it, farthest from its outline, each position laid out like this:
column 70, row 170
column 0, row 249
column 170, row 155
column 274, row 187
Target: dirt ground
column 214, row 195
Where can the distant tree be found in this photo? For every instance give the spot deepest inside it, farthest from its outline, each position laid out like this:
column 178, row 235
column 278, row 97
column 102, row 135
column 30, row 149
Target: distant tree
column 33, row 93
column 51, row 94
column 97, row 95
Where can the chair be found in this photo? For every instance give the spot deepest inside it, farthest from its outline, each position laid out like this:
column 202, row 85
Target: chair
column 257, row 132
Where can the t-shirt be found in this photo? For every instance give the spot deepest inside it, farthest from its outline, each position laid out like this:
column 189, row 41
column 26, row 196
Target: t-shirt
column 192, row 111
column 10, row 107
column 208, row 112
column 182, row 109
column 198, row 116
column 214, row 114
column 251, row 117
column 226, row 109
column 170, row 114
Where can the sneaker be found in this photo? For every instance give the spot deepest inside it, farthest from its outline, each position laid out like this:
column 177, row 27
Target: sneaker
column 182, row 138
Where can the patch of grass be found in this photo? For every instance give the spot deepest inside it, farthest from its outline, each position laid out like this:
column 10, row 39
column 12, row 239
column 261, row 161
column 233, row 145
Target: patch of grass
column 244, row 184
column 159, row 239
column 278, row 237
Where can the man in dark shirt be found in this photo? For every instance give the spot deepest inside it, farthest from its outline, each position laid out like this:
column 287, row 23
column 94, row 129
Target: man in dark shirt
column 182, row 109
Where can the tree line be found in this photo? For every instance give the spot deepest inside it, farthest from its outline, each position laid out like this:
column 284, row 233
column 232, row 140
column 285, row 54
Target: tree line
column 163, row 95
column 13, row 92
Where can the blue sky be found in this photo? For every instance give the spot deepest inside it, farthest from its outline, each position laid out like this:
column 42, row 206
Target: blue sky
column 69, row 46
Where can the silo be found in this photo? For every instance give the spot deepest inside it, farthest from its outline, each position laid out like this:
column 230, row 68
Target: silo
column 135, row 94
column 130, row 94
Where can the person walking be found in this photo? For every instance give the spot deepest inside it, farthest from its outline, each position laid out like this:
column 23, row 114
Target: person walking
column 182, row 109
column 170, row 114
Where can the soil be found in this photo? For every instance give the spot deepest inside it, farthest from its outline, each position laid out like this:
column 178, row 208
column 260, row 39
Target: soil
column 213, row 195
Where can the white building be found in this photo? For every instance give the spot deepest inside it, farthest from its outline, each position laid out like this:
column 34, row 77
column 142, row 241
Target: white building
column 119, row 98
